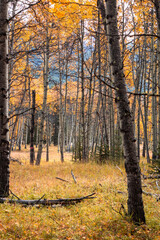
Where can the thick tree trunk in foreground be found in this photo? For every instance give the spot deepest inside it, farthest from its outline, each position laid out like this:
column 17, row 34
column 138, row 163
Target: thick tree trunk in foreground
column 4, row 136
column 135, row 202
column 157, row 9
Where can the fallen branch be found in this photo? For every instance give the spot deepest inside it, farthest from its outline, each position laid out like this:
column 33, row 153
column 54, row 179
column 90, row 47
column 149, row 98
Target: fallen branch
column 73, row 176
column 121, row 172
column 15, row 160
column 62, row 179
column 157, row 196
column 63, row 201
column 151, row 177
column 120, row 192
column 157, row 185
column 14, row 194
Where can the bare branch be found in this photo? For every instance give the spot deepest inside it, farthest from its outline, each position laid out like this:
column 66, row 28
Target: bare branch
column 62, row 179
column 73, row 176
column 45, row 202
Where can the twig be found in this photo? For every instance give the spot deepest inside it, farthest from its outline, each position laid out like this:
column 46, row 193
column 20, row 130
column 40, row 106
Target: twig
column 124, row 210
column 121, row 173
column 151, row 176
column 14, row 194
column 120, row 210
column 116, row 211
column 62, row 179
column 40, row 199
column 122, row 192
column 73, row 176
column 157, row 184
column 16, row 160
column 120, row 170
column 157, row 196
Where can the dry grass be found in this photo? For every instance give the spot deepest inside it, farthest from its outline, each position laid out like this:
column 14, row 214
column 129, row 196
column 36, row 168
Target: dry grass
column 91, row 219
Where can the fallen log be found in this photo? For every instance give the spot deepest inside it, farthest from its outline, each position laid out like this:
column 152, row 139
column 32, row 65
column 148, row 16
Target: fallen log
column 45, row 202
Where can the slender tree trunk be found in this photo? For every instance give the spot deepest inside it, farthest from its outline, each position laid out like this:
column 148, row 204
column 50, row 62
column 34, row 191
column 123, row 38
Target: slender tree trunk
column 135, row 202
column 4, row 129
column 61, row 125
column 18, row 133
column 144, row 149
column 65, row 102
column 71, row 132
column 37, row 131
column 111, row 120
column 84, row 156
column 32, row 129
column 47, row 136
column 145, row 99
column 45, row 79
column 90, row 102
column 157, row 9
column 26, row 132
column 154, row 110
column 104, row 126
column 76, row 110
column 12, row 135
column 21, row 135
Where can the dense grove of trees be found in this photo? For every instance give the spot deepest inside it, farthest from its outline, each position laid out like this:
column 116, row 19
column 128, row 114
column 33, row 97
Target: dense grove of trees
column 62, row 69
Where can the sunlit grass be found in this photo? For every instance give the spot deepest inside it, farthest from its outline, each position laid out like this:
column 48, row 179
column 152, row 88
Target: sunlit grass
column 98, row 218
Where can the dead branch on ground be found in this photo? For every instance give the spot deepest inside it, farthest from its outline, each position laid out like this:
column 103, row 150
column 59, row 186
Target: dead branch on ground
column 151, row 176
column 63, row 180
column 157, row 196
column 73, row 176
column 15, row 160
column 45, row 202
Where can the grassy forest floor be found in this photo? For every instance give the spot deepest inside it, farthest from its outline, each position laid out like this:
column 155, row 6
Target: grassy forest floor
column 98, row 218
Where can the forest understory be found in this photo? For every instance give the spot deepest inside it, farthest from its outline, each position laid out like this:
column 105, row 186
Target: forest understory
column 83, row 76
column 103, row 217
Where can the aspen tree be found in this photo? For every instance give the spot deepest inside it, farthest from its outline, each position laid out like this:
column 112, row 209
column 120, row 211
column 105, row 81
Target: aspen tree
column 135, row 202
column 32, row 129
column 45, row 83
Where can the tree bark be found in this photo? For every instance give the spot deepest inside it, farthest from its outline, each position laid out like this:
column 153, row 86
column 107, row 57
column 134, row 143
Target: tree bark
column 4, row 129
column 135, row 202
